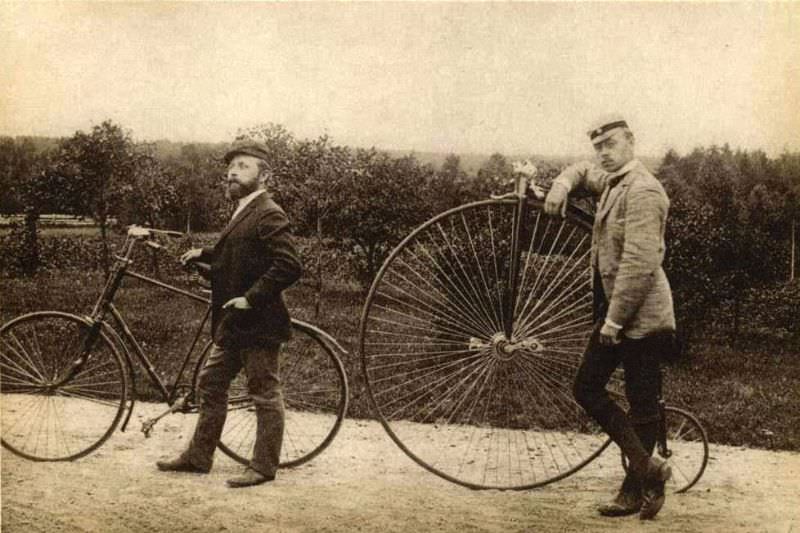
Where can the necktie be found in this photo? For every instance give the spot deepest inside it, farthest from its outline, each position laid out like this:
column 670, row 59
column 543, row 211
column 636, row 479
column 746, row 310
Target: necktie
column 613, row 182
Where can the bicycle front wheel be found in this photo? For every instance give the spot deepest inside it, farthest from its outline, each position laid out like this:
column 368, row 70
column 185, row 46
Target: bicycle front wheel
column 315, row 396
column 63, row 390
column 452, row 390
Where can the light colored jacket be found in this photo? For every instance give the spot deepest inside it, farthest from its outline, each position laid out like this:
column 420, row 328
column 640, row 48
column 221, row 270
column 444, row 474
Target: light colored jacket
column 628, row 244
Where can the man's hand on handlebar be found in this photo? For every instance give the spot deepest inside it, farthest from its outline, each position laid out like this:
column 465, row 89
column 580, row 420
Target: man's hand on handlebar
column 191, row 255
column 240, row 302
column 556, row 201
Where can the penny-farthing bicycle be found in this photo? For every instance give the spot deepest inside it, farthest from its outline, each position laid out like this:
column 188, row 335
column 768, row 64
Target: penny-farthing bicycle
column 470, row 338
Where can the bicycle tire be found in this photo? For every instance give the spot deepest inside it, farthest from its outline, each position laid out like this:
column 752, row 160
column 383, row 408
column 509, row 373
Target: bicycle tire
column 432, row 346
column 315, row 393
column 687, row 442
column 43, row 420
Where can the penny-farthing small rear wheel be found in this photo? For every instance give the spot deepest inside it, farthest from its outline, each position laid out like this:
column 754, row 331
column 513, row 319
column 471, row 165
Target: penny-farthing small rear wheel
column 453, row 392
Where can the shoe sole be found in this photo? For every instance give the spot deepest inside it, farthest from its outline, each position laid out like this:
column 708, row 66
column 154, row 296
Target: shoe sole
column 236, row 485
column 618, row 512
column 187, row 470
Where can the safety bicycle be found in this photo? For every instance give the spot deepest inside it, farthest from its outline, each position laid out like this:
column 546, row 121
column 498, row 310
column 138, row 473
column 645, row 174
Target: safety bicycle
column 68, row 381
column 471, row 335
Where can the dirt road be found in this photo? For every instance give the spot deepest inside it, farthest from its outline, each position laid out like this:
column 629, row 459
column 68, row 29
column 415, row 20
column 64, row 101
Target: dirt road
column 363, row 482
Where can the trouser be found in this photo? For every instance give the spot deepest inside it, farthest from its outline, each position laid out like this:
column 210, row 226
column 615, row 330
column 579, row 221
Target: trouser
column 634, row 433
column 264, row 387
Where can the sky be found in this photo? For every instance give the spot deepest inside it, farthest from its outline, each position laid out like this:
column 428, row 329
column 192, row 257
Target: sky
column 448, row 77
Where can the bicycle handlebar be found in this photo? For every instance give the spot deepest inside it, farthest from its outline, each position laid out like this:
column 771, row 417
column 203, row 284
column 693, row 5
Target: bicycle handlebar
column 143, row 231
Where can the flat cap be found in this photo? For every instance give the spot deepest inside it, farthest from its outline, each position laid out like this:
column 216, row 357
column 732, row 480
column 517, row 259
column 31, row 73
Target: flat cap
column 247, row 148
column 605, row 127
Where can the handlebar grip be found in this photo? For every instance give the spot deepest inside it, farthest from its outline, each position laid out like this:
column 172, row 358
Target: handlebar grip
column 138, row 231
column 143, row 231
column 170, row 232
column 202, row 268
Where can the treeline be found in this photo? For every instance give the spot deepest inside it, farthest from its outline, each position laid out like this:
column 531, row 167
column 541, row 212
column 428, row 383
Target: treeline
column 731, row 238
column 730, row 234
column 362, row 200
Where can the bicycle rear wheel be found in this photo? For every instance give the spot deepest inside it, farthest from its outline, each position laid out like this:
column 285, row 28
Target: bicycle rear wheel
column 53, row 408
column 315, row 396
column 455, row 394
column 687, row 449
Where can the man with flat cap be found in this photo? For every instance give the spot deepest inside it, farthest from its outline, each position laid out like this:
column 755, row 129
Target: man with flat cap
column 253, row 261
column 634, row 308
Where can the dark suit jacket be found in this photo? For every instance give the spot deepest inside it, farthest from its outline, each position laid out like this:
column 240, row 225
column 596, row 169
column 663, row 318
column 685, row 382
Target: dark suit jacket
column 255, row 258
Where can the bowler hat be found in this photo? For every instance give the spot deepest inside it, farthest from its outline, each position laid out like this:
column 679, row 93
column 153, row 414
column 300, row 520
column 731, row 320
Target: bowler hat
column 251, row 148
column 605, row 127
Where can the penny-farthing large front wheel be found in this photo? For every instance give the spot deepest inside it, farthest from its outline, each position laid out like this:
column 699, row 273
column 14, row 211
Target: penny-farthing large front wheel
column 453, row 392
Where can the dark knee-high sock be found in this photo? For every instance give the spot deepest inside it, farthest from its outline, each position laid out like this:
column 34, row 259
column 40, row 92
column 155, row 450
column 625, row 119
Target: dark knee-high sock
column 615, row 422
column 648, row 434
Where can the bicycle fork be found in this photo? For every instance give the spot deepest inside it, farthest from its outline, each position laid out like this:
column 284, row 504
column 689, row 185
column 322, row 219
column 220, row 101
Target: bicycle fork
column 77, row 365
column 663, row 449
column 510, row 296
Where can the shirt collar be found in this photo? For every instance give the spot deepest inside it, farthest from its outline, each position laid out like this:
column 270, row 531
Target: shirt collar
column 243, row 202
column 627, row 167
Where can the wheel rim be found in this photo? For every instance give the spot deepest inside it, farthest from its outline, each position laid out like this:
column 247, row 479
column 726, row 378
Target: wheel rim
column 43, row 419
column 315, row 399
column 451, row 390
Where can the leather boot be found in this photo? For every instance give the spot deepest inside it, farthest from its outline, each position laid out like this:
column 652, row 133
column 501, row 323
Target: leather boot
column 628, row 500
column 180, row 464
column 653, row 483
column 249, row 478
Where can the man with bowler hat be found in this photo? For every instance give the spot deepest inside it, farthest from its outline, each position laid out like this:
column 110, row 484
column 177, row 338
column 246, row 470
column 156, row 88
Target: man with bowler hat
column 635, row 306
column 253, row 261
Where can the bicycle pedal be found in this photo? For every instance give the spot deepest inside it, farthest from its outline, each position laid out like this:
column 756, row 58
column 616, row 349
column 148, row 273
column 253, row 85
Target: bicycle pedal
column 147, row 427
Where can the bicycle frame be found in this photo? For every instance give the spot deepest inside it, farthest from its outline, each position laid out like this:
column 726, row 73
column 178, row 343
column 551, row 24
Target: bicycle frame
column 125, row 337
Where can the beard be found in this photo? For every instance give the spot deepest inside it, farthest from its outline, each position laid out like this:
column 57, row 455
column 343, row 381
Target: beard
column 235, row 190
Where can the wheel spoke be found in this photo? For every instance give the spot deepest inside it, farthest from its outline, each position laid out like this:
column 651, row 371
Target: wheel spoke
column 40, row 421
column 315, row 402
column 457, row 395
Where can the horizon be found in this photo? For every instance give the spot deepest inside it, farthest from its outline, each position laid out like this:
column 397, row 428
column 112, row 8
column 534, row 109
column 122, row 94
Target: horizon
column 441, row 78
column 411, row 151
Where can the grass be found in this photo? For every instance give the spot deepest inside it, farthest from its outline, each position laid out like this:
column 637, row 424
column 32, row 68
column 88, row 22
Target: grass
column 62, row 231
column 747, row 396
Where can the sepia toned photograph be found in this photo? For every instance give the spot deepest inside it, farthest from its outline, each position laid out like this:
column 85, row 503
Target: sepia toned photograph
column 399, row 266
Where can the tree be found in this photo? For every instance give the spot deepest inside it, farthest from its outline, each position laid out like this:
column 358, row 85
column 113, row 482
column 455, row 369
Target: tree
column 18, row 158
column 149, row 196
column 384, row 201
column 92, row 168
column 189, row 186
column 312, row 180
column 728, row 219
column 277, row 140
column 495, row 176
column 449, row 187
column 34, row 195
column 788, row 172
